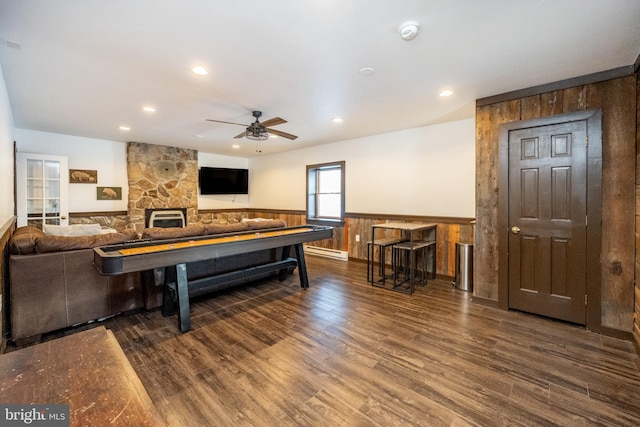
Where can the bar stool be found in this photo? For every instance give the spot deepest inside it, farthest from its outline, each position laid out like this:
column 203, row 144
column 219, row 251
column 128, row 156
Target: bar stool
column 383, row 244
column 410, row 253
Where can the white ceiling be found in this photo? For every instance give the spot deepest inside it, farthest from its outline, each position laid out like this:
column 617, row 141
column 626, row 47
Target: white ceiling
column 85, row 67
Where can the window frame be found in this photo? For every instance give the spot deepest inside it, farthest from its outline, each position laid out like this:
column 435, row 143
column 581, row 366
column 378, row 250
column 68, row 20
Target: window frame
column 312, row 194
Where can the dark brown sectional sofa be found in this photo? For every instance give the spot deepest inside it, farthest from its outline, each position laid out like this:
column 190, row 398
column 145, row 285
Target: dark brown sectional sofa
column 53, row 283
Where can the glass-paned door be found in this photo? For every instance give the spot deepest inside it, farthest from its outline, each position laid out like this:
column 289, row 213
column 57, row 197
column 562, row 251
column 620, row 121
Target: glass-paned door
column 42, row 189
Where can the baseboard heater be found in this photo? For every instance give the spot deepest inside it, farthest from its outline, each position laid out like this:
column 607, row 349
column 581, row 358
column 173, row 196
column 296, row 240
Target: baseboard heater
column 329, row 253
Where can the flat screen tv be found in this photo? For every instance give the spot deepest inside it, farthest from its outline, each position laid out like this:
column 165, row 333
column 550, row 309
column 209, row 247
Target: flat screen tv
column 223, row 181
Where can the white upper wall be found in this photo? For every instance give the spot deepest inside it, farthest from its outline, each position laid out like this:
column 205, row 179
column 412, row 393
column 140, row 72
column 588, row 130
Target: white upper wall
column 109, row 158
column 6, row 154
column 427, row 171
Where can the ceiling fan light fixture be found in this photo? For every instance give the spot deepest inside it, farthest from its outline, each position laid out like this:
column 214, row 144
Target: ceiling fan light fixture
column 257, row 134
column 257, row 131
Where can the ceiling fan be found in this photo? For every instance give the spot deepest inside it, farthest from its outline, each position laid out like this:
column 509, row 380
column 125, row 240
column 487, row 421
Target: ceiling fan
column 260, row 131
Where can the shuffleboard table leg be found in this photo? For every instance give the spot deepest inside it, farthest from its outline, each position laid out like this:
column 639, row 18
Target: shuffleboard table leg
column 182, row 293
column 168, row 294
column 282, row 274
column 302, row 266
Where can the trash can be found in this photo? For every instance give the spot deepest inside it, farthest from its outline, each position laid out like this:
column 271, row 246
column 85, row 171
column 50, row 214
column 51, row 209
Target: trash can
column 464, row 267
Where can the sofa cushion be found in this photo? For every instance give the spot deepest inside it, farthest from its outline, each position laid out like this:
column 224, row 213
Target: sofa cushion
column 113, row 238
column 235, row 227
column 266, row 223
column 23, row 240
column 48, row 243
column 72, row 230
column 160, row 233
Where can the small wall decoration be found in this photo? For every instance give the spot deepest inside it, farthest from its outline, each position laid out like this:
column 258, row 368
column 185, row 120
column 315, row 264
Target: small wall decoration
column 83, row 176
column 109, row 193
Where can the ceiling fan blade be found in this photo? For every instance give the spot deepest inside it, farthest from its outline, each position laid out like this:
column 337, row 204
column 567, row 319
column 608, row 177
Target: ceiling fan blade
column 282, row 134
column 229, row 123
column 241, row 135
column 273, row 122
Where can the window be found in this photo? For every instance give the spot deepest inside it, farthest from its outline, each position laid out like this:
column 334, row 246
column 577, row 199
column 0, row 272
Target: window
column 325, row 193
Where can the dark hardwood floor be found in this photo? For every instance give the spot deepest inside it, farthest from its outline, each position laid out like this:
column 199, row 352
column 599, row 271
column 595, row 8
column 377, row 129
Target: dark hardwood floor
column 343, row 353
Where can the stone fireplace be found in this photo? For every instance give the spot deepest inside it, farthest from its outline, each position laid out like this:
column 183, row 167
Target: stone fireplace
column 161, row 177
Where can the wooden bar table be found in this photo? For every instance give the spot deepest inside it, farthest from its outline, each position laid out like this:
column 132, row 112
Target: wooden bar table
column 413, row 232
column 87, row 371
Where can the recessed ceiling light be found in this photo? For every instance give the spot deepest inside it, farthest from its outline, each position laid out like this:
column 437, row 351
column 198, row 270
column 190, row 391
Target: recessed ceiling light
column 235, row 146
column 199, row 70
column 409, row 30
column 198, row 136
column 336, row 119
column 446, row 92
column 148, row 108
column 273, row 135
column 367, row 71
column 126, row 128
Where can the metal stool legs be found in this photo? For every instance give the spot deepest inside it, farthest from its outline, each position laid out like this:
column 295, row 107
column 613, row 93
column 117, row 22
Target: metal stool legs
column 382, row 244
column 409, row 252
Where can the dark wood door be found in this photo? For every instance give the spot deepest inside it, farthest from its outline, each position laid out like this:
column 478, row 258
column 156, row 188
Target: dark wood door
column 547, row 220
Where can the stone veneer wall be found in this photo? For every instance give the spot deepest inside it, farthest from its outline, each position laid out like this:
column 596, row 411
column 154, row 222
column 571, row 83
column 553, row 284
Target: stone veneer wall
column 119, row 222
column 161, row 177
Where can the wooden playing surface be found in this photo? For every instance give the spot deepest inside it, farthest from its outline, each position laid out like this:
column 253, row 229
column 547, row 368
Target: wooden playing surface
column 212, row 241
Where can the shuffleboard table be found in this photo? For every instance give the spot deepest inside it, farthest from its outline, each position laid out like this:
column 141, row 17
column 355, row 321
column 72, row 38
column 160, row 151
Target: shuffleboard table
column 176, row 253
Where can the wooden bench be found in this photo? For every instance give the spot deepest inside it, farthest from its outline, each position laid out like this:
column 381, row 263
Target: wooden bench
column 87, row 371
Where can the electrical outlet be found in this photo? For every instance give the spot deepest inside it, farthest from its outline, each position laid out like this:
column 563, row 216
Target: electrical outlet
column 357, row 237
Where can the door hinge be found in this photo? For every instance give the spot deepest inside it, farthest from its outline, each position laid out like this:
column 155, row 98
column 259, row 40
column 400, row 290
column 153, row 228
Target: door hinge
column 586, row 220
column 585, row 299
column 587, row 141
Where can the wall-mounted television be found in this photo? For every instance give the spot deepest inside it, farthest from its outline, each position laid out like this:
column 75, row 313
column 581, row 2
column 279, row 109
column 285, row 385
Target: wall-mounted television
column 223, row 180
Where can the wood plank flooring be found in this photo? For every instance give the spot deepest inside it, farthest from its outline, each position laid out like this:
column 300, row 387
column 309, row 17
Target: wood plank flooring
column 344, row 353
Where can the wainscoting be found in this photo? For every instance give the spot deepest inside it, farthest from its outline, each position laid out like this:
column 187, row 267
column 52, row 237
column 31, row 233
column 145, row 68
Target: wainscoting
column 358, row 226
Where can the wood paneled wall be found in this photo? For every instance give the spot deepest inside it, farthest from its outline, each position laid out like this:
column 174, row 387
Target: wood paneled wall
column 617, row 99
column 450, row 232
column 636, row 314
column 294, row 218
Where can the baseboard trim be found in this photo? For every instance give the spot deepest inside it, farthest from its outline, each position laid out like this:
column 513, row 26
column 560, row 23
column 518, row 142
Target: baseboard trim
column 616, row 333
column 486, row 302
column 636, row 345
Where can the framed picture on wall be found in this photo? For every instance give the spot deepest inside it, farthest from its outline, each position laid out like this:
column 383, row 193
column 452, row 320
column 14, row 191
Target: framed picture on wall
column 83, row 176
column 109, row 193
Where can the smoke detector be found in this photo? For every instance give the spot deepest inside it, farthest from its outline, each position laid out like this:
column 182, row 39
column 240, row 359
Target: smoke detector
column 409, row 30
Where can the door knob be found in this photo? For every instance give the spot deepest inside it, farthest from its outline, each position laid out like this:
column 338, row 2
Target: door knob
column 515, row 230
column 63, row 217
